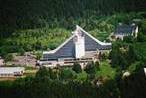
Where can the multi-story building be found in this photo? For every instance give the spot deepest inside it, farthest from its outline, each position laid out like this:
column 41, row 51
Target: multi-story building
column 81, row 47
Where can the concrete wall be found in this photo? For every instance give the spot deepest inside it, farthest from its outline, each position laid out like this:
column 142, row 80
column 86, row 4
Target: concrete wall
column 80, row 48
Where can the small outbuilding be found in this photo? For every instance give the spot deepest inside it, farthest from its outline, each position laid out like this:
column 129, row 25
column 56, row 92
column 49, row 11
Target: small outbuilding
column 123, row 30
column 11, row 71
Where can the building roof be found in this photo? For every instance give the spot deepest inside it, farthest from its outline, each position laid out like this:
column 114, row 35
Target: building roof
column 67, row 49
column 125, row 29
column 10, row 70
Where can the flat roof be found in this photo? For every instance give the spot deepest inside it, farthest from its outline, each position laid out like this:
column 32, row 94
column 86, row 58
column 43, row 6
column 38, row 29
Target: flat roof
column 10, row 70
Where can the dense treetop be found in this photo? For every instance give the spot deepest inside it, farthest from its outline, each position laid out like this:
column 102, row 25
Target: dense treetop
column 37, row 13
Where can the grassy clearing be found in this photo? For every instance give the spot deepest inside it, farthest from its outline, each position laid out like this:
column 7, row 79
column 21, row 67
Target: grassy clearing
column 105, row 70
column 82, row 76
column 30, row 71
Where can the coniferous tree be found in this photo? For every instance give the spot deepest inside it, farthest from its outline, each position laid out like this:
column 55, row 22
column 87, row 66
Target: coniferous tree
column 132, row 55
column 140, row 37
column 90, row 68
column 77, row 67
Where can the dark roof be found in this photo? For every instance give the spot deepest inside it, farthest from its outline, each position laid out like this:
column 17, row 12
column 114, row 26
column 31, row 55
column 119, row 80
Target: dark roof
column 92, row 45
column 125, row 29
column 66, row 51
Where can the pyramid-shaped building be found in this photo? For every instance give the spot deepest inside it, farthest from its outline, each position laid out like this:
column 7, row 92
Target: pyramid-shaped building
column 80, row 47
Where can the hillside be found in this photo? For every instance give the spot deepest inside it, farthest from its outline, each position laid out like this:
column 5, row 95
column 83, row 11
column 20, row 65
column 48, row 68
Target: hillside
column 44, row 24
column 26, row 14
column 28, row 27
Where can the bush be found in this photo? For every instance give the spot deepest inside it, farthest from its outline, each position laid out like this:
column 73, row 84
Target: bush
column 143, row 26
column 38, row 55
column 105, row 56
column 42, row 73
column 21, row 51
column 96, row 64
column 128, row 39
column 77, row 67
column 140, row 37
column 90, row 68
column 135, row 67
column 67, row 74
column 8, row 57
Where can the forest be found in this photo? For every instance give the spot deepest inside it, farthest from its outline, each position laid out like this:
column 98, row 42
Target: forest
column 31, row 25
column 35, row 14
column 38, row 25
column 63, row 83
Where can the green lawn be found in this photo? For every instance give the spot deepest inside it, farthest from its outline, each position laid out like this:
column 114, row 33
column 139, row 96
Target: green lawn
column 82, row 76
column 105, row 70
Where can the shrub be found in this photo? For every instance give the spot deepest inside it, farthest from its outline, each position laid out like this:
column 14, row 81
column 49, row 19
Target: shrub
column 77, row 67
column 8, row 57
column 96, row 64
column 67, row 74
column 90, row 68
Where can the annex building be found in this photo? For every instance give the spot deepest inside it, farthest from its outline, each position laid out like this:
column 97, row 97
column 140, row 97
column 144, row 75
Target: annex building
column 11, row 71
column 123, row 30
